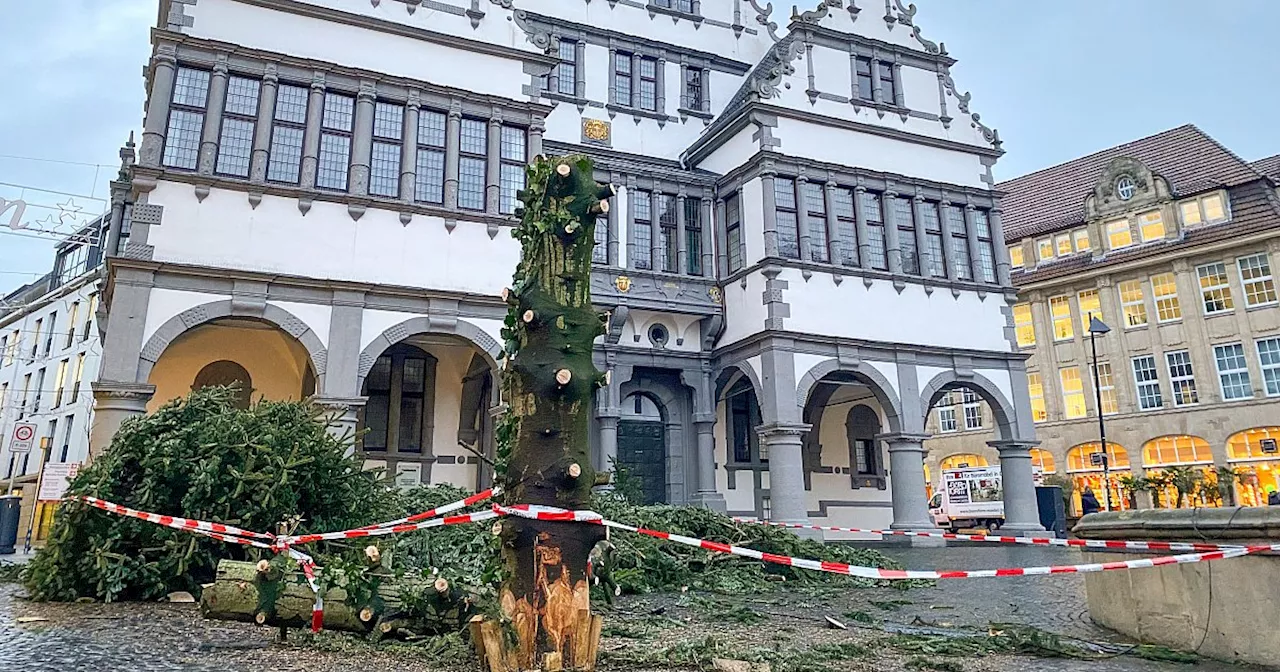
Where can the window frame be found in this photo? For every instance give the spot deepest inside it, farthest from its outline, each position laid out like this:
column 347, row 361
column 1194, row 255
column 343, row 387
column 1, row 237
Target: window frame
column 904, row 220
column 510, row 164
column 733, row 233
column 694, row 88
column 482, row 157
column 693, row 227
column 182, row 107
column 1113, row 229
column 872, row 203
column 1166, row 303
column 1219, row 293
column 1107, row 388
column 297, row 129
column 958, row 230
column 931, row 220
column 1024, row 326
column 1068, row 394
column 1076, row 236
column 986, row 246
column 1095, row 307
column 424, row 151
column 1131, row 307
column 846, row 212
column 1239, row 374
column 1016, row 259
column 1045, row 249
column 1059, row 241
column 332, row 132
column 386, row 141
column 1146, row 379
column 786, row 187
column 1183, row 378
column 1035, row 390
column 1062, row 335
column 235, row 115
column 812, row 197
column 1269, row 364
column 642, row 259
column 1146, row 221
column 1265, row 279
column 669, row 231
column 569, row 64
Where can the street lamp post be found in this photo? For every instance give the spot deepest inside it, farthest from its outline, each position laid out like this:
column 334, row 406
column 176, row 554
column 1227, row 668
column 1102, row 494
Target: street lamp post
column 1097, row 328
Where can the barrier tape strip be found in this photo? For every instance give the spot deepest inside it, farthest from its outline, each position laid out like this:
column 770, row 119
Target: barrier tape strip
column 439, row 510
column 174, row 521
column 1109, row 544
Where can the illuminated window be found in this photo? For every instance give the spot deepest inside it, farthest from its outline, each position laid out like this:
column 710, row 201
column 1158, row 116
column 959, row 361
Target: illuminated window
column 1015, row 256
column 1090, row 306
column 1259, row 443
column 1060, row 310
column 1063, row 242
column 1082, row 240
column 1164, row 288
column 1046, row 248
column 1255, row 276
column 1080, row 458
column 1152, row 225
column 1107, row 388
column 963, row 461
column 1233, row 371
column 1213, row 209
column 1119, row 234
column 1215, row 290
column 1168, row 451
column 1182, row 378
column 1043, row 460
column 1147, row 378
column 1133, row 304
column 1035, row 389
column 1190, row 213
column 1072, row 392
column 1023, row 326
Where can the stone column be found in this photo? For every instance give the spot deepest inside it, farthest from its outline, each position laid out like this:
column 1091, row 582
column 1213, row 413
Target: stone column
column 786, row 471
column 608, row 411
column 409, row 150
column 682, row 251
column 704, row 425
column 1003, row 265
column 311, row 138
column 362, row 139
column 923, row 253
column 493, row 165
column 893, row 246
column 262, row 131
column 802, row 221
column 214, row 105
column 657, row 254
column 708, row 241
column 538, row 127
column 906, row 477
column 767, row 177
column 860, row 227
column 629, row 238
column 113, row 403
column 1021, row 513
column 164, row 66
column 342, row 414
column 835, row 245
column 453, row 133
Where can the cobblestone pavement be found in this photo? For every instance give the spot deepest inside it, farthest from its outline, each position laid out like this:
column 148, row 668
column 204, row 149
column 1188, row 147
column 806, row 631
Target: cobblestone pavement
column 150, row 637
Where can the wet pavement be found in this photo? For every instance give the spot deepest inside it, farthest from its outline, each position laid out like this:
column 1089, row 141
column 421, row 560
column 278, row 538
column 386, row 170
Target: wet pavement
column 147, row 637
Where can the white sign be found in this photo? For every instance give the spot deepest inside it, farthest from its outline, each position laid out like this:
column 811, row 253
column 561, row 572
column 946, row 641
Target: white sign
column 408, row 476
column 24, row 434
column 57, row 476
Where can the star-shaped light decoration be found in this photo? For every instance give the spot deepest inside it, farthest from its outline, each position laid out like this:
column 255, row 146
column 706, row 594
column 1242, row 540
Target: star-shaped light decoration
column 68, row 210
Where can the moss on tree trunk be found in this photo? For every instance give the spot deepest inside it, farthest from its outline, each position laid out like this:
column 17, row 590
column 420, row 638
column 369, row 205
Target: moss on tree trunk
column 549, row 384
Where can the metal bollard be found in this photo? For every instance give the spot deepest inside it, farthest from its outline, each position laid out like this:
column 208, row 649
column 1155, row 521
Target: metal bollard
column 10, row 510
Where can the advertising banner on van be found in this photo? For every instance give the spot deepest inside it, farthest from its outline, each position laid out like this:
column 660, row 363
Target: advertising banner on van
column 976, row 491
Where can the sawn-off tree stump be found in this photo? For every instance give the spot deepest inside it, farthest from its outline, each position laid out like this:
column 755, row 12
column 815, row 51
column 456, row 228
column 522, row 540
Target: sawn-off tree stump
column 549, row 384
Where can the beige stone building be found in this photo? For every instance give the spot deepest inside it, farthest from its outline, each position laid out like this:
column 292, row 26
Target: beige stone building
column 1172, row 241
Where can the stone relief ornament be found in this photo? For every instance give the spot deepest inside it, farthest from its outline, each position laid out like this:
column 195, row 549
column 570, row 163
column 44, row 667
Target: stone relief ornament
column 715, row 294
column 623, row 283
column 596, row 130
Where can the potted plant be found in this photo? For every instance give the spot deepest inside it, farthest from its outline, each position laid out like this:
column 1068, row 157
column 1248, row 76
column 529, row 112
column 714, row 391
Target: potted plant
column 1226, row 482
column 1156, row 483
column 1185, row 480
column 1131, row 485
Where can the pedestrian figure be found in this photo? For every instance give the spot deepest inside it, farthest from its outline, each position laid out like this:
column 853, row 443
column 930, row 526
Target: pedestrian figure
column 1088, row 502
column 1273, row 496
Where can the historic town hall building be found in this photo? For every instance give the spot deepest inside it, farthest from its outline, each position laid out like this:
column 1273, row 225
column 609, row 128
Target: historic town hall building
column 804, row 255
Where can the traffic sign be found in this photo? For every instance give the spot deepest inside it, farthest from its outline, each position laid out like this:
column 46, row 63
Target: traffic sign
column 24, row 434
column 57, row 476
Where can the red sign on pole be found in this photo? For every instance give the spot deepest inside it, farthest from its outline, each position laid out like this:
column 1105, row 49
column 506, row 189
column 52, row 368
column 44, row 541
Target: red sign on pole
column 24, row 434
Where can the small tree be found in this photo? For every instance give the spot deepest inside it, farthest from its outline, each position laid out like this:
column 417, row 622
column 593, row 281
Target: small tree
column 1225, row 482
column 1185, row 480
column 1131, row 485
column 1157, row 483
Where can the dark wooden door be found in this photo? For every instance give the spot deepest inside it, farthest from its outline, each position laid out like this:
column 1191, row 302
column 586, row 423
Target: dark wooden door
column 642, row 452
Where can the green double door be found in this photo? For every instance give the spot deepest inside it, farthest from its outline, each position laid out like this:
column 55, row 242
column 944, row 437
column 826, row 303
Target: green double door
column 642, row 452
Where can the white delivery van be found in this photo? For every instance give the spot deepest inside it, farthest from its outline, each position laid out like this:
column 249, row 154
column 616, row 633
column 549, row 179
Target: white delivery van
column 970, row 498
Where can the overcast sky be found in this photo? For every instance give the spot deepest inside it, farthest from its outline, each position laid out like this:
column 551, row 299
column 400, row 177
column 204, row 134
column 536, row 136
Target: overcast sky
column 1059, row 79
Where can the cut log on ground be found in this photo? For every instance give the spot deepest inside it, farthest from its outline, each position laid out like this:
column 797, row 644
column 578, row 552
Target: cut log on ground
column 241, row 592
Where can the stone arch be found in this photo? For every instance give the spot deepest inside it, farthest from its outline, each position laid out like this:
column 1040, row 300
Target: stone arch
column 731, row 373
column 675, row 404
column 1001, row 407
column 485, row 343
column 226, row 372
column 193, row 317
column 862, row 372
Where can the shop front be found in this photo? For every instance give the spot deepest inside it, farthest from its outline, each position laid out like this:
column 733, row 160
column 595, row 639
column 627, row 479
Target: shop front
column 1186, row 463
column 1254, row 456
column 1088, row 472
column 1042, row 465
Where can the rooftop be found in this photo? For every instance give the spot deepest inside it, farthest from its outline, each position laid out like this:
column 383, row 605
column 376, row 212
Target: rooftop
column 1053, row 198
column 1269, row 166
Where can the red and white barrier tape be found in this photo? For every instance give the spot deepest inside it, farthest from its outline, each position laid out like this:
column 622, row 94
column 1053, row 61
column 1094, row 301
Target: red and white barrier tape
column 439, row 510
column 174, row 521
column 287, row 541
column 1107, row 544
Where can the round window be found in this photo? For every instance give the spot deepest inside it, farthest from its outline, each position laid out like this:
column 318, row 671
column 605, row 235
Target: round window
column 658, row 335
column 1125, row 188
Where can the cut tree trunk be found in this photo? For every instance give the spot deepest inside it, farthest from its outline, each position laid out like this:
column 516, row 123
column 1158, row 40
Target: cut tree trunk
column 242, row 593
column 549, row 385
